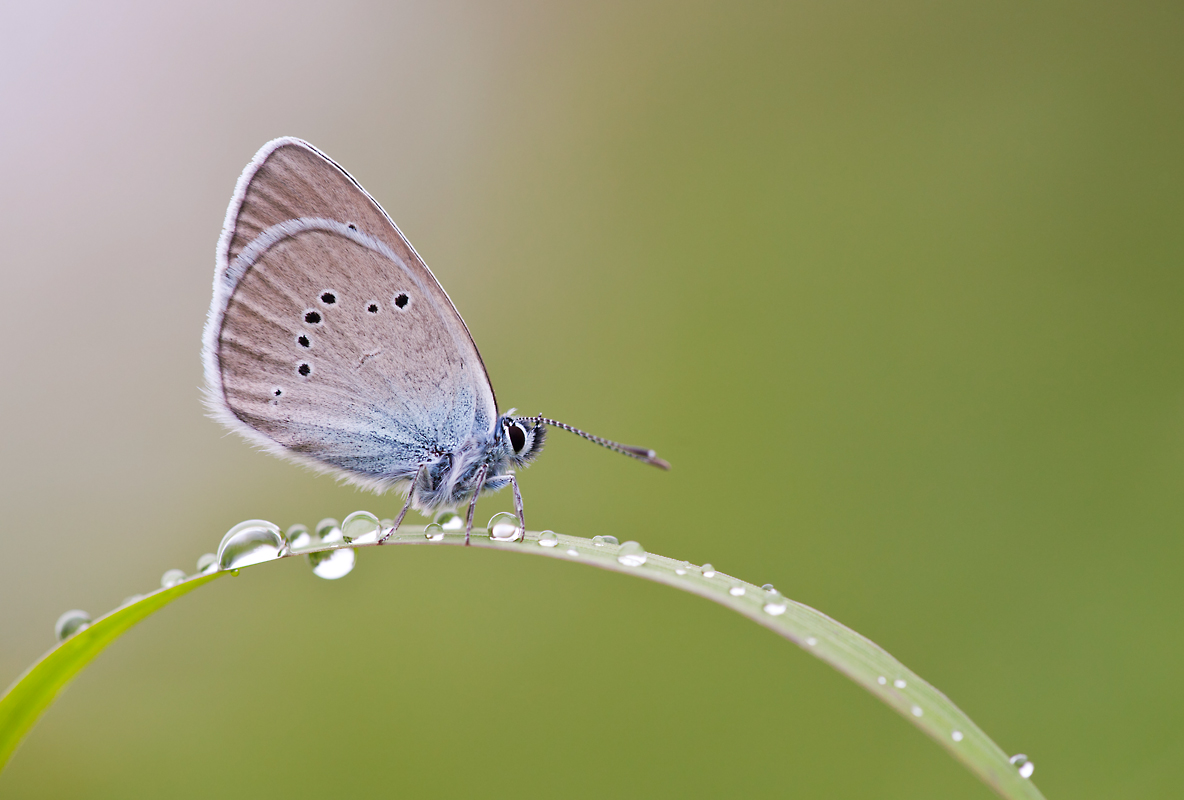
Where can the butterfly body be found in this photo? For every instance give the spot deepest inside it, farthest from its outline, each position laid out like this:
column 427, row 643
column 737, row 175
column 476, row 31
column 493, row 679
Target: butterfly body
column 329, row 342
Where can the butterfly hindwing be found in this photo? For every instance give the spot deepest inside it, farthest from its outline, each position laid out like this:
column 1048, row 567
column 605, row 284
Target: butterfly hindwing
column 329, row 341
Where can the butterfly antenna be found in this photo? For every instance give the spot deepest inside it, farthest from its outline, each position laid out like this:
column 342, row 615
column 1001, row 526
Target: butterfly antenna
column 640, row 453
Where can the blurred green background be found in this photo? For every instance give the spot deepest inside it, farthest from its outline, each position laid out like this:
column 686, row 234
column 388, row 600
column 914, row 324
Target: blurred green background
column 895, row 287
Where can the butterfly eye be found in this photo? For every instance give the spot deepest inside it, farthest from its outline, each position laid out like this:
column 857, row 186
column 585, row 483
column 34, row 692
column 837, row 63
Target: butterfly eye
column 517, row 437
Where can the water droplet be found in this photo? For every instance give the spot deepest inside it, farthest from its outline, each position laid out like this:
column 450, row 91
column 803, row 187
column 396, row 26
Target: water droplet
column 450, row 520
column 1026, row 766
column 768, row 587
column 299, row 538
column 208, row 562
column 881, row 680
column 327, row 530
column 172, row 577
column 433, row 532
column 503, row 527
column 917, row 711
column 70, row 623
column 899, row 683
column 132, row 598
column 571, row 551
column 387, row 523
column 707, row 570
column 736, row 591
column 631, row 554
column 250, row 542
column 604, row 541
column 775, row 604
column 361, row 527
column 682, row 568
column 956, row 736
column 811, row 641
column 332, row 564
column 548, row 539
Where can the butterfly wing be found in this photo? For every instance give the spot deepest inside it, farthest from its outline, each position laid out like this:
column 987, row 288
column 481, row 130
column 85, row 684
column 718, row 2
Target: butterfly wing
column 329, row 341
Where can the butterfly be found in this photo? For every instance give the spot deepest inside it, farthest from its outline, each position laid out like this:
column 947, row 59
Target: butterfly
column 330, row 343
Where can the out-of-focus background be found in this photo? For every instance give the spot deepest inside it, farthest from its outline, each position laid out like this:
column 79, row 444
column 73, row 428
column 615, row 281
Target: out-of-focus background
column 896, row 288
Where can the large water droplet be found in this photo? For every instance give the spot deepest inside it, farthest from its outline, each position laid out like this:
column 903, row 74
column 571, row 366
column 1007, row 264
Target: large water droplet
column 548, row 539
column 604, row 541
column 207, row 562
column 736, row 591
column 361, row 527
column 631, row 554
column 775, row 604
column 1026, row 766
column 250, row 542
column 504, row 527
column 172, row 577
column 299, row 538
column 707, row 571
column 433, row 532
column 332, row 564
column 956, row 736
column 450, row 520
column 70, row 623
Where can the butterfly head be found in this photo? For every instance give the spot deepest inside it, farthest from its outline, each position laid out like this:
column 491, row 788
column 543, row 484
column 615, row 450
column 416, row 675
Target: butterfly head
column 522, row 438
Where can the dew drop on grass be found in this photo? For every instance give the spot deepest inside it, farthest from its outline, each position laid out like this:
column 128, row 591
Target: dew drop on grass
column 548, row 539
column 811, row 641
column 207, row 562
column 450, row 520
column 881, row 680
column 433, row 532
column 682, row 568
column 250, row 542
column 899, row 683
column 327, row 530
column 736, row 591
column 571, row 551
column 775, row 604
column 70, row 623
column 361, row 527
column 604, row 541
column 956, row 736
column 332, row 564
column 707, row 570
column 132, row 598
column 1026, row 767
column 631, row 554
column 504, row 527
column 299, row 538
column 768, row 587
column 171, row 578
column 917, row 711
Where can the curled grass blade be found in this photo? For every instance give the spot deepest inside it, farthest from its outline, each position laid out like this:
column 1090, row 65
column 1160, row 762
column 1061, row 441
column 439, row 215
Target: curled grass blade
column 33, row 692
column 857, row 657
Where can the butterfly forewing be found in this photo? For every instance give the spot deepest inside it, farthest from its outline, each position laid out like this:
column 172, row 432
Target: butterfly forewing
column 330, row 341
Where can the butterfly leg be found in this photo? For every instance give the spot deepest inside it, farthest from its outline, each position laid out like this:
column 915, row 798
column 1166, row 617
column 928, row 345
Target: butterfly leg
column 473, row 505
column 518, row 504
column 407, row 505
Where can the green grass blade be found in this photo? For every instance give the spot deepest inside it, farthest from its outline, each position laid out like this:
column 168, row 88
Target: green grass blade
column 28, row 697
column 857, row 657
